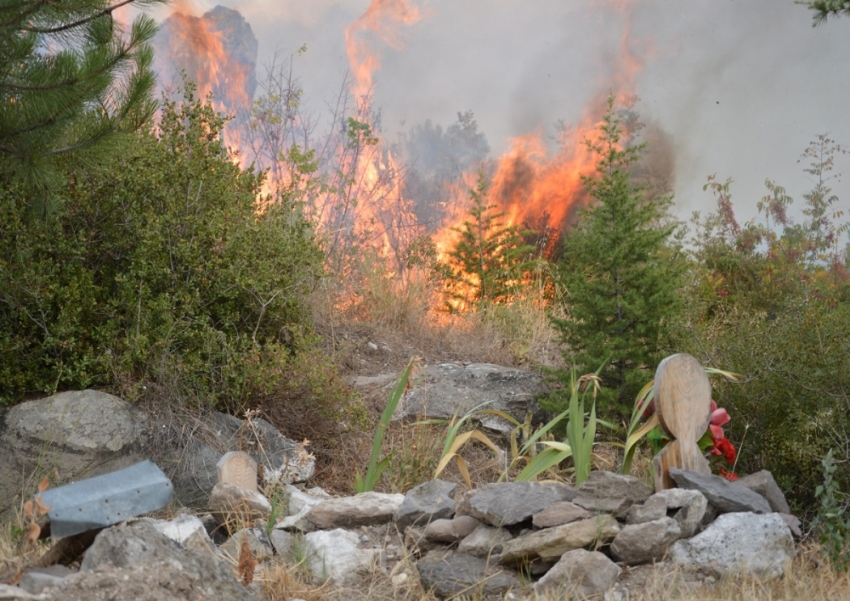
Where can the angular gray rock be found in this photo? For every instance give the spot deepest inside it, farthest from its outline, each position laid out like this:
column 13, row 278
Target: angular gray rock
column 432, row 500
column 188, row 530
column 763, row 483
column 260, row 545
column 725, row 496
column 365, row 509
column 336, row 555
column 579, row 574
column 451, row 531
column 551, row 543
column 647, row 542
column 83, row 434
column 654, row 508
column 136, row 543
column 560, row 513
column 283, row 542
column 687, row 507
column 232, row 505
column 793, row 523
column 416, row 543
column 484, row 541
column 607, row 492
column 457, row 573
column 508, row 503
column 35, row 580
column 448, row 389
column 737, row 543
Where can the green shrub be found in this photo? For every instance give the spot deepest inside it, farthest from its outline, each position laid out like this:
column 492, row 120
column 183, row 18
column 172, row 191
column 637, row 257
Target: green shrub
column 159, row 268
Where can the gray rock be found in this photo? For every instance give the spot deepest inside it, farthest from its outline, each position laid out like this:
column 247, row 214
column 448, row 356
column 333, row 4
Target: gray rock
column 655, row 508
column 451, row 531
column 133, row 544
column 560, row 513
column 725, row 496
column 445, row 390
column 260, row 545
column 283, row 542
column 365, row 509
column 82, row 434
column 763, row 483
column 185, row 529
column 647, row 542
column 14, row 593
column 35, row 580
column 579, row 574
column 484, row 541
column 429, row 501
column 338, row 555
column 416, row 543
column 607, row 492
column 690, row 508
column 737, row 543
column 507, row 503
column 457, row 574
column 236, row 507
column 793, row 524
column 551, row 543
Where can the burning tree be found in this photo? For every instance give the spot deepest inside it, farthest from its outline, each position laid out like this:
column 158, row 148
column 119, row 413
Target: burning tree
column 619, row 285
column 69, row 78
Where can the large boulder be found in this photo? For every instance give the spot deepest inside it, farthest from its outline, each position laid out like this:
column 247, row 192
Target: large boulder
column 737, row 543
column 131, row 545
column 459, row 574
column 579, row 574
column 82, row 434
column 725, row 496
column 508, row 503
column 443, row 391
column 647, row 542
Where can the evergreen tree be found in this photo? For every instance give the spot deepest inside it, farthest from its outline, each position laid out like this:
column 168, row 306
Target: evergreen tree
column 823, row 9
column 619, row 278
column 490, row 260
column 69, row 78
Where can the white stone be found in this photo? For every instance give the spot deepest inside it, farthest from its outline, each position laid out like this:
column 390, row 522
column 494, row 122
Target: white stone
column 365, row 509
column 181, row 528
column 335, row 555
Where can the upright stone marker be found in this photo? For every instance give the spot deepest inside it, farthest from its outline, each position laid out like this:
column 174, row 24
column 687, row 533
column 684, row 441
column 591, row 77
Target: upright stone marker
column 683, row 405
column 239, row 469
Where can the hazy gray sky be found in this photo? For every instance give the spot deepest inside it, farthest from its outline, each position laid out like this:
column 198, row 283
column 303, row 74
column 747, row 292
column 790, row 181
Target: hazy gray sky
column 742, row 86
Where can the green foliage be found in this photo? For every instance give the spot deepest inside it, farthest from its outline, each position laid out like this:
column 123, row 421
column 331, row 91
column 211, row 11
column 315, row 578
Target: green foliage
column 69, row 78
column 160, row 268
column 620, row 280
column 490, row 262
column 833, row 521
column 823, row 9
column 376, row 465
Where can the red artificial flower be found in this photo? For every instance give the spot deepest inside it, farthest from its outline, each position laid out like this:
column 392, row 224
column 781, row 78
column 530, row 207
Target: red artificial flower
column 719, row 418
column 731, row 476
column 724, row 448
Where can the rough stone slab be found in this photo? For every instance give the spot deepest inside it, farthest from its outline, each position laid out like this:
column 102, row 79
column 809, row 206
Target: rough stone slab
column 282, row 542
column 647, row 542
column 508, row 503
column 237, row 468
column 725, row 496
column 608, row 492
column 737, row 543
column 429, row 501
column 551, row 543
column 133, row 544
column 558, row 514
column 654, row 508
column 451, row 531
column 484, row 541
column 230, row 505
column 260, row 545
column 579, row 574
column 365, row 509
column 188, row 530
column 336, row 555
column 416, row 543
column 793, row 523
column 36, row 580
column 763, row 483
column 14, row 593
column 460, row 574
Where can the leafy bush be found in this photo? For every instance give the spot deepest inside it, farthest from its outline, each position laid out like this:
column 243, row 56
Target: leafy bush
column 159, row 268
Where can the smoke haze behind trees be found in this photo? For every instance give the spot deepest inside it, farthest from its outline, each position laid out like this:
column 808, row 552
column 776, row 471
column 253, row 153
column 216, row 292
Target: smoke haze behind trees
column 739, row 87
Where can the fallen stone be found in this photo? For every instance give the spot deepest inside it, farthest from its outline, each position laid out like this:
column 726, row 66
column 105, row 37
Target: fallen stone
column 725, row 496
column 82, row 434
column 579, row 574
column 365, row 509
column 260, row 545
column 336, row 556
column 459, row 574
column 443, row 391
column 36, row 580
column 738, row 543
column 137, row 543
column 451, row 531
column 763, row 483
column 237, row 468
column 508, row 503
column 551, row 543
column 607, row 492
column 231, row 505
column 647, row 542
column 484, row 541
column 793, row 524
column 429, row 501
column 560, row 513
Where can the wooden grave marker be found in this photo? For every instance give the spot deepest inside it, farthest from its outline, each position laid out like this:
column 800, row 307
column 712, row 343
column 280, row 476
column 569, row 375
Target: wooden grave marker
column 683, row 405
column 239, row 469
